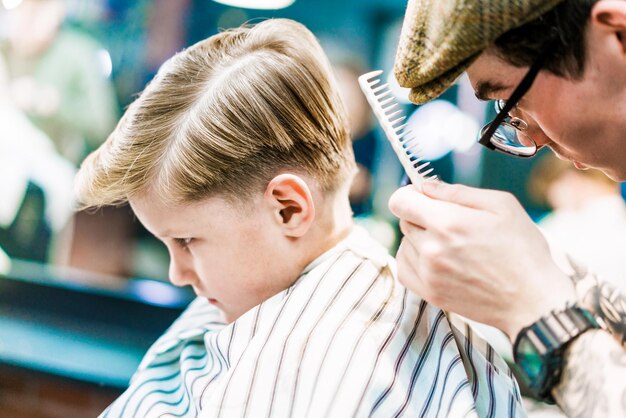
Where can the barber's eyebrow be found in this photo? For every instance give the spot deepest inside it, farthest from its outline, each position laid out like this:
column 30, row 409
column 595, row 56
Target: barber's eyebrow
column 486, row 89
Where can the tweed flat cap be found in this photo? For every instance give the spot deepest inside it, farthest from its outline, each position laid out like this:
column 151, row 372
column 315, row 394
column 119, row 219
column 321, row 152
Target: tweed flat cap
column 441, row 38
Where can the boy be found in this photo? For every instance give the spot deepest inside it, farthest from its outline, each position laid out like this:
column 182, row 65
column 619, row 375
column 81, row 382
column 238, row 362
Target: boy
column 237, row 156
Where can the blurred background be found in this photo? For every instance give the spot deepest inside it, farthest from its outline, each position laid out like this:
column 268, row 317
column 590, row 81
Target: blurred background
column 83, row 295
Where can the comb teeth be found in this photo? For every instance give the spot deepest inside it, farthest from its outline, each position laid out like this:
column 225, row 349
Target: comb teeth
column 384, row 105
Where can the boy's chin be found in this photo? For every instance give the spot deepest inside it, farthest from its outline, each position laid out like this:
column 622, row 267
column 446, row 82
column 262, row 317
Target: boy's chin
column 228, row 317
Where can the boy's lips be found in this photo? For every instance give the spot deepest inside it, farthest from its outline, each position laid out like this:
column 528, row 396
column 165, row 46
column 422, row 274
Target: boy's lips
column 580, row 166
column 212, row 301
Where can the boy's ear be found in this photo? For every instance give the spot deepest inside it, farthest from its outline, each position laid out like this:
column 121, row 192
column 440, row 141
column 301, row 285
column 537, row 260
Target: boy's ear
column 611, row 15
column 292, row 203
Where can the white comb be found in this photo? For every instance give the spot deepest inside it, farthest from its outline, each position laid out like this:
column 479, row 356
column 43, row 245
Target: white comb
column 391, row 119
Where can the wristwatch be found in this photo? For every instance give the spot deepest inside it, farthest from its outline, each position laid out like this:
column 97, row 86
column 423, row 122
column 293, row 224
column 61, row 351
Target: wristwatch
column 540, row 347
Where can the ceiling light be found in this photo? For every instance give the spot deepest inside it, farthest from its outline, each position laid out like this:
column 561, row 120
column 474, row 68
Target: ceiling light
column 258, row 4
column 11, row 4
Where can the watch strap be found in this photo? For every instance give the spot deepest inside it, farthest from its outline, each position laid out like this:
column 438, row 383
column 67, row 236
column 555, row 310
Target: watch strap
column 549, row 337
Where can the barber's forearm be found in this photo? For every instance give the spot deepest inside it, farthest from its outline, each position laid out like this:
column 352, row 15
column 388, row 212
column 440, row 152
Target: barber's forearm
column 593, row 383
column 603, row 300
column 610, row 305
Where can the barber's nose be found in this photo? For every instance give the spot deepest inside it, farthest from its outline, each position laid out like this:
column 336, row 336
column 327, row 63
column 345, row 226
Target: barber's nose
column 539, row 136
column 532, row 128
column 181, row 272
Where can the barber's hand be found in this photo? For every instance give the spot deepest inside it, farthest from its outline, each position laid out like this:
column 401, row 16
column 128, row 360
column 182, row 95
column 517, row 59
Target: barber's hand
column 477, row 253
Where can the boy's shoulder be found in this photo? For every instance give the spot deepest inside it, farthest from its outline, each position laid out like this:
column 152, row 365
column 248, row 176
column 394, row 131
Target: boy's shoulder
column 347, row 339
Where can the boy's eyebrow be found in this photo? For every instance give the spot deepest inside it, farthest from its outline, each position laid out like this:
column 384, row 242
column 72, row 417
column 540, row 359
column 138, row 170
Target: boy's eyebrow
column 486, row 89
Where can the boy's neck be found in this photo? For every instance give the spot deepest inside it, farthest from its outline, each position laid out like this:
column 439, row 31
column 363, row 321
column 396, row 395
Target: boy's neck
column 334, row 224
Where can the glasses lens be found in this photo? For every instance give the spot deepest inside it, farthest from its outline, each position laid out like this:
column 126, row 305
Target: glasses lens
column 512, row 141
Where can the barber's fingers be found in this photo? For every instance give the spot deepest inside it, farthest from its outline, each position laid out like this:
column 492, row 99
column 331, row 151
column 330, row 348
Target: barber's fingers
column 418, row 270
column 410, row 205
column 414, row 259
column 446, row 205
column 408, row 258
column 471, row 197
column 424, row 245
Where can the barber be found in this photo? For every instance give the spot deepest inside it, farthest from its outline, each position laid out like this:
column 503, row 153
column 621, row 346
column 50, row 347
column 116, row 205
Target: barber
column 556, row 70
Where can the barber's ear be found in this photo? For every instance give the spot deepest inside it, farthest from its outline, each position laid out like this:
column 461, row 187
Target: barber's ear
column 611, row 15
column 292, row 204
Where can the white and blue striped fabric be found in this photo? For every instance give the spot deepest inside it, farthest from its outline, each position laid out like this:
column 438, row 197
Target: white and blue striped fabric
column 346, row 340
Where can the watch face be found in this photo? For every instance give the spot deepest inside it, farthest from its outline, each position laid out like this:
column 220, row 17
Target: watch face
column 539, row 347
column 529, row 359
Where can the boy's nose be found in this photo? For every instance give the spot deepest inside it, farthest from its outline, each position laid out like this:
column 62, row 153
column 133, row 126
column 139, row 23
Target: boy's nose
column 180, row 273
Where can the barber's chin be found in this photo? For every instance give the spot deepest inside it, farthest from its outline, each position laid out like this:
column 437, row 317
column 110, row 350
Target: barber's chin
column 615, row 175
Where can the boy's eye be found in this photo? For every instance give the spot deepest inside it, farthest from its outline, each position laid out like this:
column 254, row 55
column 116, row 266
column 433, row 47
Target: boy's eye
column 183, row 242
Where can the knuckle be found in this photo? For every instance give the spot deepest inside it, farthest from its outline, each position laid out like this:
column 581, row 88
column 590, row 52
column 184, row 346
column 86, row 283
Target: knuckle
column 407, row 278
column 431, row 251
column 404, row 227
column 435, row 299
column 404, row 275
column 455, row 191
column 506, row 198
column 450, row 227
column 428, row 291
column 435, row 260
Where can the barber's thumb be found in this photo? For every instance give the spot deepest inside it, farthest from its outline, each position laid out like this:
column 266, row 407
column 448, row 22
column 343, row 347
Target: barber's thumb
column 437, row 190
column 402, row 199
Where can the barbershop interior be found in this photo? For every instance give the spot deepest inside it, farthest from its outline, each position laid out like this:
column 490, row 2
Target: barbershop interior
column 85, row 293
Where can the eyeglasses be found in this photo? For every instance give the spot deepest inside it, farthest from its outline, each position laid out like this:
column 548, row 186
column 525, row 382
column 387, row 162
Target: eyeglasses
column 507, row 133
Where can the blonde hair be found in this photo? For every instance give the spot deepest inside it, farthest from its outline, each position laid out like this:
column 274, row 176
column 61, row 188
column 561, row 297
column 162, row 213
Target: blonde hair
column 223, row 117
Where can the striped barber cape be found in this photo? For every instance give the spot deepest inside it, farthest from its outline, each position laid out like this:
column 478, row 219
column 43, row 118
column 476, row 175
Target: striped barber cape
column 345, row 340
